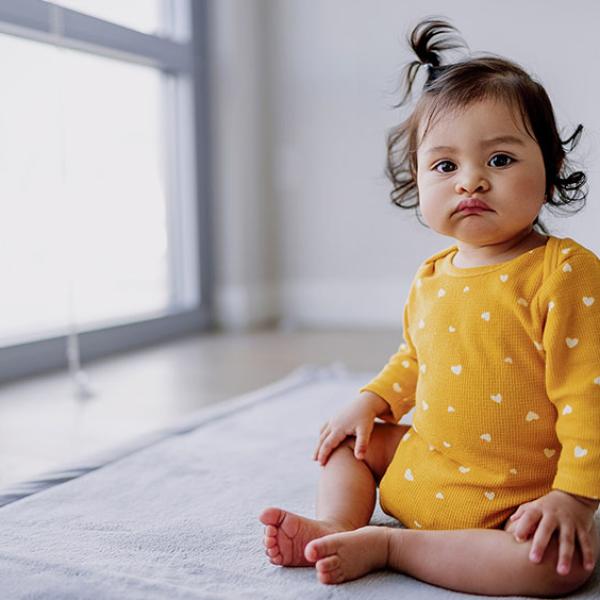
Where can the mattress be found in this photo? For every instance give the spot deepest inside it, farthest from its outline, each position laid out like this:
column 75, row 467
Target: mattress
column 175, row 514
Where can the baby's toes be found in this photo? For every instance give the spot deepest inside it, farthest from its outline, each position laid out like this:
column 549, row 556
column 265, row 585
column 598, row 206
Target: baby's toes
column 270, row 531
column 274, row 556
column 321, row 547
column 325, row 565
column 330, row 577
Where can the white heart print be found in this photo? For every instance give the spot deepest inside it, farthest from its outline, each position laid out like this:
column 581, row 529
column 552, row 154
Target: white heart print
column 549, row 452
column 485, row 316
column 464, row 469
column 532, row 416
column 567, row 268
column 580, row 452
column 456, row 369
column 489, row 495
column 439, row 496
column 408, row 475
column 503, row 278
column 486, row 437
column 496, row 398
column 567, row 410
column 588, row 300
column 571, row 342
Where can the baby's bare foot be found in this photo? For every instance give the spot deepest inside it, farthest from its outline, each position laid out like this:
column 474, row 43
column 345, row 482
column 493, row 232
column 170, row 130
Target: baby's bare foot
column 286, row 536
column 349, row 555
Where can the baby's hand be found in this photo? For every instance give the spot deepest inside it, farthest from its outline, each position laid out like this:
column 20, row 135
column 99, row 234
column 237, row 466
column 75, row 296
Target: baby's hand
column 357, row 419
column 573, row 518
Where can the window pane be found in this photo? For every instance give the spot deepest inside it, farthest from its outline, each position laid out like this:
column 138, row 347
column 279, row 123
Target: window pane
column 82, row 186
column 142, row 15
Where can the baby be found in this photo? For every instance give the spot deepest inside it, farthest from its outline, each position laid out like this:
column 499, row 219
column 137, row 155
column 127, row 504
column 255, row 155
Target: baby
column 498, row 479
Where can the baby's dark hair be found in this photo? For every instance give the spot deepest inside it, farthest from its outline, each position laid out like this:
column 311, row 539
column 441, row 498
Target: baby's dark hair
column 457, row 85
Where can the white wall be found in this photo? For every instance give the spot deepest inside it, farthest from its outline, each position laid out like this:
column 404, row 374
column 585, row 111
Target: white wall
column 247, row 270
column 304, row 94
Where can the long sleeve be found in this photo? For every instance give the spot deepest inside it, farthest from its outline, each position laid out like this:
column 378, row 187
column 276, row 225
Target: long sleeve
column 397, row 381
column 569, row 302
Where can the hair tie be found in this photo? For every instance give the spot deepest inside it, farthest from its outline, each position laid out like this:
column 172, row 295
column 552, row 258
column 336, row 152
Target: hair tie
column 433, row 72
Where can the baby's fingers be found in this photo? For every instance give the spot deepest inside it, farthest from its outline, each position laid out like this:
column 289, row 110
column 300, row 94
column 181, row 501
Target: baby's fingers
column 526, row 524
column 589, row 560
column 541, row 539
column 362, row 441
column 517, row 513
column 565, row 549
column 325, row 431
column 331, row 442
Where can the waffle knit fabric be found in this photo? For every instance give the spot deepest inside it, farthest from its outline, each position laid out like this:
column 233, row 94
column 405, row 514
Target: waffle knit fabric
column 502, row 363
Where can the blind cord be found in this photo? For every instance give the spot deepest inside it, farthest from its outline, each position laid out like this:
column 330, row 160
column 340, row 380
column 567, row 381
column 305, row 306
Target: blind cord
column 83, row 388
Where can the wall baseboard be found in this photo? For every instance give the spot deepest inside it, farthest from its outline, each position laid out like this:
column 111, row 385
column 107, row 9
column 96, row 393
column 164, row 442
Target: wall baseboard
column 243, row 307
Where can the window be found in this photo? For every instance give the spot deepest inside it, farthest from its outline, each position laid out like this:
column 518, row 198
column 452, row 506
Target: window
column 101, row 195
column 142, row 15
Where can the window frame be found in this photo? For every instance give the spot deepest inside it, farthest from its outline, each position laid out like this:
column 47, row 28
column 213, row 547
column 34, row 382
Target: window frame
column 184, row 59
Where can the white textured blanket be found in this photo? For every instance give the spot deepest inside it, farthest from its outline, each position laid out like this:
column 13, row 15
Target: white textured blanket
column 176, row 515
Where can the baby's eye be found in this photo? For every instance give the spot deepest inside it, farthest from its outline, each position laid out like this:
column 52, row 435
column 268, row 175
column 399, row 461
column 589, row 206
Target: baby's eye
column 444, row 162
column 502, row 160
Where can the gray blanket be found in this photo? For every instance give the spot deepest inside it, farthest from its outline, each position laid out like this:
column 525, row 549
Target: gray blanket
column 176, row 514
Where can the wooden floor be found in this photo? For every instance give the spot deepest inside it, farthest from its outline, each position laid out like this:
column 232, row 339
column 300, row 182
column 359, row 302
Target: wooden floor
column 43, row 425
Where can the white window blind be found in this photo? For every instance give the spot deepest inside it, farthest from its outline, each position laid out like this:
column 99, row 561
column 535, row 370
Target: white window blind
column 100, row 213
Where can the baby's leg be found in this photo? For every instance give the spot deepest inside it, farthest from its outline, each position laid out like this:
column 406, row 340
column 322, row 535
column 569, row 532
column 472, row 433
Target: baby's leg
column 345, row 500
column 476, row 561
column 347, row 489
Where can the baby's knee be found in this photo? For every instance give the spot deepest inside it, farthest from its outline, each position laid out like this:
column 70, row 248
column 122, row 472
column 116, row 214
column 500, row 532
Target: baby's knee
column 544, row 581
column 382, row 445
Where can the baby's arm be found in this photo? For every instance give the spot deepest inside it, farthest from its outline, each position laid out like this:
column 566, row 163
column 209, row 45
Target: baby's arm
column 388, row 396
column 569, row 310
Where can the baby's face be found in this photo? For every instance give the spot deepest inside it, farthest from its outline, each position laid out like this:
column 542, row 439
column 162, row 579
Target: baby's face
column 458, row 160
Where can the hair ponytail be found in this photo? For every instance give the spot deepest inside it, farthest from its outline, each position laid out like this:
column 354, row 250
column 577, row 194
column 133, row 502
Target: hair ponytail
column 428, row 40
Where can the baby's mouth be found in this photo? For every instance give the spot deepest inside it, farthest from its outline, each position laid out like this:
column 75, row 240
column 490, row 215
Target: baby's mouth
column 472, row 205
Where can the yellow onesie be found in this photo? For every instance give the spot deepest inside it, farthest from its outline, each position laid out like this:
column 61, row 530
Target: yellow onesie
column 503, row 365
